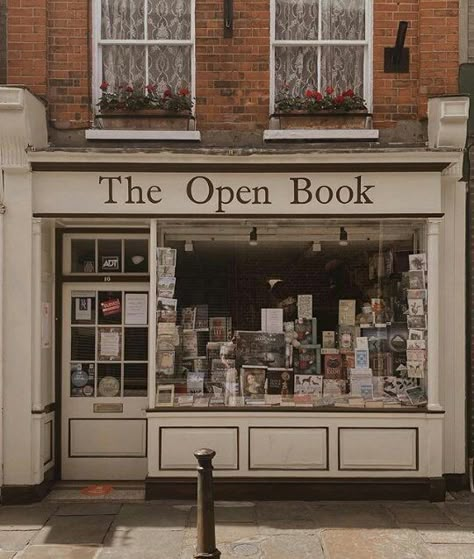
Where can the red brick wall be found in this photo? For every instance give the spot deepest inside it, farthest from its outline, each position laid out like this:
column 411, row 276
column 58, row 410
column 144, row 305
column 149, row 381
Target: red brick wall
column 48, row 50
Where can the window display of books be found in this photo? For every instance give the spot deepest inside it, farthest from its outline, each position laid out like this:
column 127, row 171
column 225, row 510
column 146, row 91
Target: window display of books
column 374, row 356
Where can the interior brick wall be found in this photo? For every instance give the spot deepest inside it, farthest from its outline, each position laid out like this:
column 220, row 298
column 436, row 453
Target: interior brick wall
column 49, row 51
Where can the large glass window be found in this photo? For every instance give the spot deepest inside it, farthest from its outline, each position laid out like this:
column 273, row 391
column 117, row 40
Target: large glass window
column 308, row 313
column 142, row 43
column 320, row 44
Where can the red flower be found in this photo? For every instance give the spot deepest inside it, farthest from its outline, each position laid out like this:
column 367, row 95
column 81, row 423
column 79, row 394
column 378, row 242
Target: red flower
column 104, row 85
column 318, row 96
column 129, row 89
column 167, row 93
column 183, row 91
column 339, row 100
column 308, row 93
column 348, row 93
column 329, row 90
column 151, row 88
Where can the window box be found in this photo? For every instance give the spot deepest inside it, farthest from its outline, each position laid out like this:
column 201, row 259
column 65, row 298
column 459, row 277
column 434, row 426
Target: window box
column 146, row 119
column 302, row 120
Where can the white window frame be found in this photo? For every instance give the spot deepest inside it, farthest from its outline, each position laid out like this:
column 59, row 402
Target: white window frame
column 97, row 77
column 367, row 43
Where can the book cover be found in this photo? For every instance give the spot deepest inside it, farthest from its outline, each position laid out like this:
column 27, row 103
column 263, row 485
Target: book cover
column 397, row 336
column 347, row 337
column 305, row 306
column 416, row 307
column 306, row 330
column 378, row 339
column 417, row 322
column 190, row 345
column 252, row 381
column 329, row 339
column 166, row 286
column 272, row 320
column 166, row 256
column 188, row 318
column 166, row 309
column 333, row 366
column 220, row 328
column 195, row 382
column 308, row 384
column 260, row 348
column 307, row 360
column 416, row 396
column 202, row 317
column 279, row 381
column 168, row 271
column 165, row 362
column 347, row 311
column 333, row 387
column 417, row 262
column 416, row 279
column 303, row 399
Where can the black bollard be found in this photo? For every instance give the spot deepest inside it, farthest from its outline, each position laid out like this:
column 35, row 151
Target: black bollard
column 206, row 529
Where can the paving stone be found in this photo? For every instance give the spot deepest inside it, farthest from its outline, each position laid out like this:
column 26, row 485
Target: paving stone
column 15, row 540
column 125, row 495
column 87, row 509
column 284, row 510
column 237, row 550
column 7, row 554
column 418, row 513
column 460, row 513
column 340, row 515
column 360, row 543
column 74, row 530
column 31, row 517
column 446, row 533
column 143, row 543
column 454, row 551
column 296, row 547
column 228, row 533
column 273, row 527
column 72, row 495
column 234, row 514
column 58, row 552
column 150, row 516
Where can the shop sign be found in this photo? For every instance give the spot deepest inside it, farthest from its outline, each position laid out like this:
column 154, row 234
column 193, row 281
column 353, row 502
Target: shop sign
column 239, row 193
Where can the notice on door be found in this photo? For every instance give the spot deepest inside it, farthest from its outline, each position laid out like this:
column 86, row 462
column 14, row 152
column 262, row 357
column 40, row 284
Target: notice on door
column 136, row 308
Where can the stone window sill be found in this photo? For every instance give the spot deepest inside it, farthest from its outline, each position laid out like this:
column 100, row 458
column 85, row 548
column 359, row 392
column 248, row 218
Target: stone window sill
column 348, row 135
column 139, row 135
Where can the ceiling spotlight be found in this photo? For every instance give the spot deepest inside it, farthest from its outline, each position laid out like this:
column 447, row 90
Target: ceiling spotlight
column 316, row 246
column 253, row 237
column 188, row 246
column 343, row 237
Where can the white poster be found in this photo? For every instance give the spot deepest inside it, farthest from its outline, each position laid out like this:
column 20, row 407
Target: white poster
column 83, row 308
column 136, row 308
column 109, row 344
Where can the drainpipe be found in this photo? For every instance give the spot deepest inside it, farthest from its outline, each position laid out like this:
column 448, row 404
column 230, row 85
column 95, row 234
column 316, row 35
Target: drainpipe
column 2, row 213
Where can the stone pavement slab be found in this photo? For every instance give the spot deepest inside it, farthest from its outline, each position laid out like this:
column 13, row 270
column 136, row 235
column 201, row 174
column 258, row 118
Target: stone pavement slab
column 283, row 510
column 226, row 533
column 74, row 530
column 149, row 542
column 272, row 527
column 58, row 552
column 7, row 554
column 418, row 513
column 293, row 546
column 372, row 544
column 25, row 517
column 455, row 551
column 446, row 533
column 15, row 540
column 156, row 516
column 236, row 513
column 363, row 515
column 87, row 509
column 461, row 513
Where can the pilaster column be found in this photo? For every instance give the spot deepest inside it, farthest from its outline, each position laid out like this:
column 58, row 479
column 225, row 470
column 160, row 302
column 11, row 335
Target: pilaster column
column 36, row 400
column 433, row 314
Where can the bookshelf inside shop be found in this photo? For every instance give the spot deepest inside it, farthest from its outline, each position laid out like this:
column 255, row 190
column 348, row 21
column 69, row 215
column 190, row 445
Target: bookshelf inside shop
column 286, row 322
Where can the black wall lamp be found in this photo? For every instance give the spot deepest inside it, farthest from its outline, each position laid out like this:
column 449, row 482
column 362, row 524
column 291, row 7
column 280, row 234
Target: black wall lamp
column 228, row 18
column 397, row 59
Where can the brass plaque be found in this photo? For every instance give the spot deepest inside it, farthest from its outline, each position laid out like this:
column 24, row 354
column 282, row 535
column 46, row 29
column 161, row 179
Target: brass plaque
column 108, row 408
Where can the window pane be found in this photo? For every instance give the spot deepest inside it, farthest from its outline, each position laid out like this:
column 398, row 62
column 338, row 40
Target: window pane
column 110, row 307
column 136, row 344
column 297, row 67
column 83, row 344
column 343, row 68
column 169, row 19
column 169, row 67
column 110, row 255
column 343, row 19
column 83, row 255
column 108, row 380
column 123, row 64
column 122, row 19
column 135, row 379
column 136, row 255
column 296, row 20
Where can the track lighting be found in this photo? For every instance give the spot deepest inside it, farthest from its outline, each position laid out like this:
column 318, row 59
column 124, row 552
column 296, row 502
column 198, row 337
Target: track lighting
column 316, row 246
column 188, row 246
column 253, row 237
column 343, row 242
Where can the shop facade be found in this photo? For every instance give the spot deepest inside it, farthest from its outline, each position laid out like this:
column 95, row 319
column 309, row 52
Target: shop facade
column 300, row 311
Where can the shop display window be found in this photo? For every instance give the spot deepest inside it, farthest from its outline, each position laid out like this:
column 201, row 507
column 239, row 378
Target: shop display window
column 317, row 314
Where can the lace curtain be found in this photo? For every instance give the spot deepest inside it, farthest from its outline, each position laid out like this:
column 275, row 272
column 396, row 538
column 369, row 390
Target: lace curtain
column 124, row 64
column 341, row 66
